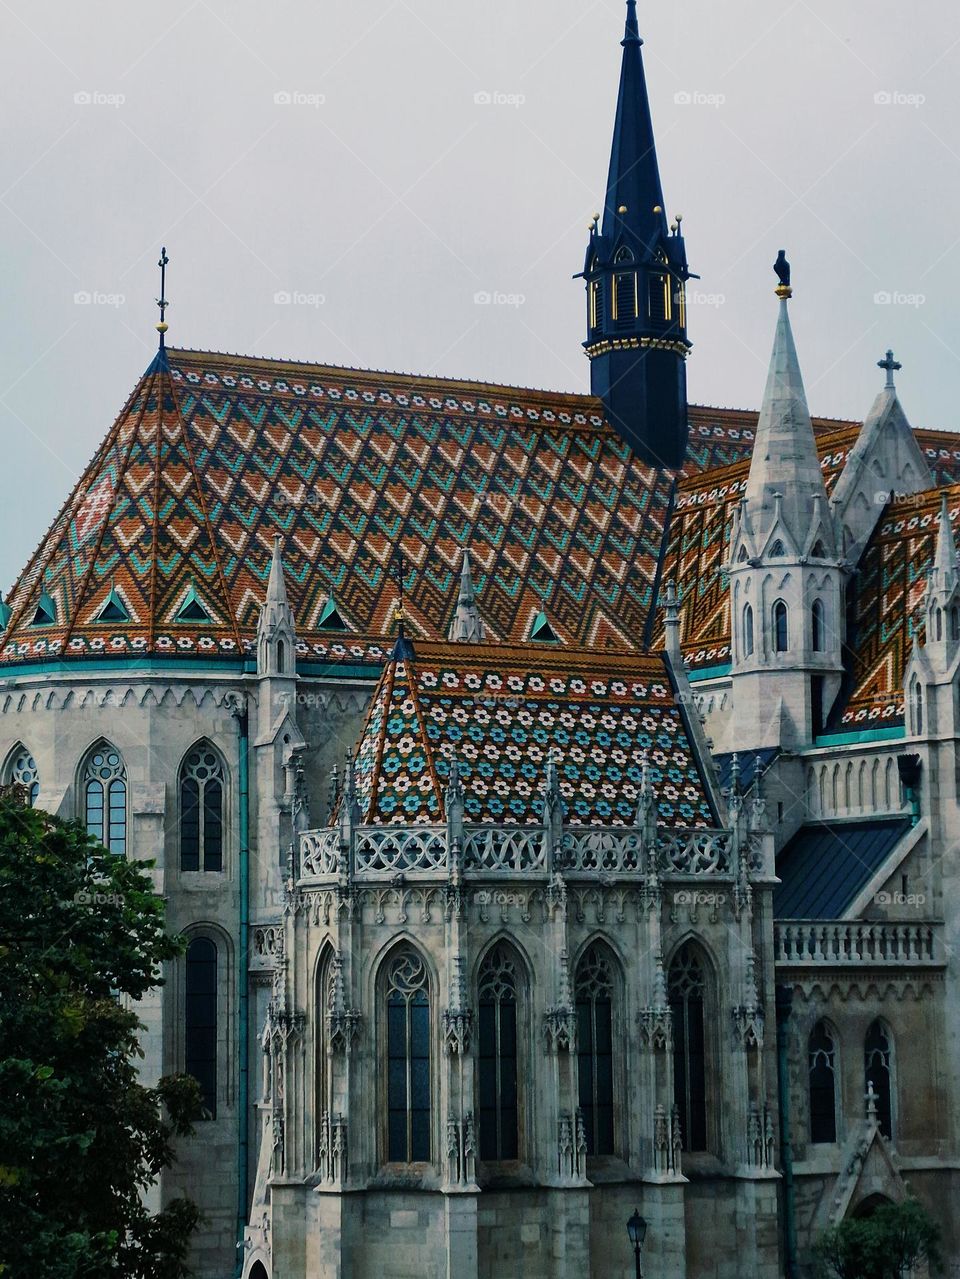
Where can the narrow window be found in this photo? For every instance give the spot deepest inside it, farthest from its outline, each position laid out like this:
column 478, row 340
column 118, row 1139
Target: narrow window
column 625, row 297
column 281, row 657
column 938, row 623
column 200, row 1015
column 497, row 1057
column 917, row 700
column 105, row 798
column 659, row 297
column 687, row 989
column 955, row 622
column 201, row 810
column 816, row 704
column 822, row 1059
column 780, row 627
column 748, row 630
column 594, row 1000
column 877, row 1071
column 408, row 1060
column 817, row 626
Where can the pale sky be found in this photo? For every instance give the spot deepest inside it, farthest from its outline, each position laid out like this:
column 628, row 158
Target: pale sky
column 383, row 196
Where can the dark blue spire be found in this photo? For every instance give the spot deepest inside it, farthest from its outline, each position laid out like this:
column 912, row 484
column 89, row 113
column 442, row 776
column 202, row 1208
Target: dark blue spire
column 633, row 182
column 636, row 272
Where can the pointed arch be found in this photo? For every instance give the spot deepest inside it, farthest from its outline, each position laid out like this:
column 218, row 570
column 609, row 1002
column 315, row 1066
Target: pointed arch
column 502, row 991
column 916, row 706
column 818, row 626
column 748, row 642
column 201, row 785
column 103, row 786
column 891, row 786
column 405, row 998
column 324, row 974
column 878, row 1068
column 21, row 769
column 780, row 626
column 597, row 983
column 822, row 1075
column 690, row 988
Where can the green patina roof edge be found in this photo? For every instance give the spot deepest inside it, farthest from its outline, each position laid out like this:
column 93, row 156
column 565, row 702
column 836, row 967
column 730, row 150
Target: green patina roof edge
column 227, row 665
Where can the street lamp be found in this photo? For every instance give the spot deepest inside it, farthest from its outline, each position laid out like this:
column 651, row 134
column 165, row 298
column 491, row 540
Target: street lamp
column 637, row 1230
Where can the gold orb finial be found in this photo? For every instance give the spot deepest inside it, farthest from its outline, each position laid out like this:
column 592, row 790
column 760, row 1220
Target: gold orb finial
column 784, row 291
column 658, row 208
column 622, row 209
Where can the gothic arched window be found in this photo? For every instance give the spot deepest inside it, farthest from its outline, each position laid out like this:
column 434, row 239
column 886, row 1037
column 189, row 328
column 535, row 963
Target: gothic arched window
column 818, row 626
column 878, row 1070
column 938, row 623
column 22, row 771
column 748, row 630
column 408, row 1059
column 822, row 1067
column 497, row 1056
column 955, row 622
column 687, row 988
column 200, row 1019
column 201, row 810
column 777, row 549
column 780, row 633
column 105, row 797
column 594, row 1000
column 916, row 704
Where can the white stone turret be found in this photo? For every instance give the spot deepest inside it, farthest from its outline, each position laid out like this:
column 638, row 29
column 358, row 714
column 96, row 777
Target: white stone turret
column 467, row 625
column 786, row 572
column 276, row 635
column 931, row 704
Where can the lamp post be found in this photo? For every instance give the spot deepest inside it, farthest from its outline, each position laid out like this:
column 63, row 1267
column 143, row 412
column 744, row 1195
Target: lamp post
column 637, row 1230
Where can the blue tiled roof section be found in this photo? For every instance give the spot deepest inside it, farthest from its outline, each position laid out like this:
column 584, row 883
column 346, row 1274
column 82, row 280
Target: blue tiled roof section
column 826, row 864
column 750, row 763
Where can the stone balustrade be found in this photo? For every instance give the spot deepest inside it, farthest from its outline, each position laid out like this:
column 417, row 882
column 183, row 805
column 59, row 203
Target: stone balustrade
column 806, row 943
column 581, row 852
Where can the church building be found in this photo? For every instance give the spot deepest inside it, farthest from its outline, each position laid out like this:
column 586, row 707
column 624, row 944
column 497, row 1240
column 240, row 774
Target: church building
column 557, row 793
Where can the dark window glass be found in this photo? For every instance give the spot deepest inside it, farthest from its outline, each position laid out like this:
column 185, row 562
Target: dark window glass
column 748, row 631
column 497, row 1057
column 408, row 1060
column 780, row 627
column 817, row 626
column 822, row 1067
column 595, row 1049
column 200, row 1038
column 687, row 988
column 105, row 798
column 877, row 1064
column 816, row 703
column 657, row 287
column 201, row 810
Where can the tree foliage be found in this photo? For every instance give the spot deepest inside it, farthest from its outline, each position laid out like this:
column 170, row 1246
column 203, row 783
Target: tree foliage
column 885, row 1245
column 81, row 939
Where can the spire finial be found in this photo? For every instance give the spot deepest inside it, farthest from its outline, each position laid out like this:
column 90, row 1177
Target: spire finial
column 782, row 268
column 632, row 32
column 402, row 649
column 162, row 302
column 891, row 366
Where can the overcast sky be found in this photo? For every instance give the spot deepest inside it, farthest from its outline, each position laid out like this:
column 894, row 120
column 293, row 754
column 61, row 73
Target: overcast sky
column 381, row 164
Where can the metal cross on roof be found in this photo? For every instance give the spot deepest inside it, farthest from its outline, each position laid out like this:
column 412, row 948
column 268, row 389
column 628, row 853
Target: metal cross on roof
column 891, row 366
column 162, row 302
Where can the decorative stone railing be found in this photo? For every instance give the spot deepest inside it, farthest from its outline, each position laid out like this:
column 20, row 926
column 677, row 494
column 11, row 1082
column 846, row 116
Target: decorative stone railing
column 806, row 943
column 580, row 852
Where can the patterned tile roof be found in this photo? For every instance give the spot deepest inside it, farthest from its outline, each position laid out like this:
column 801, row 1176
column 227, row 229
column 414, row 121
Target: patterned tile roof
column 500, row 711
column 212, row 455
column 885, row 592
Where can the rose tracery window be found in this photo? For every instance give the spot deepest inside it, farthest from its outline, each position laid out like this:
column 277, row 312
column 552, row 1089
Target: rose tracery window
column 105, row 797
column 201, row 810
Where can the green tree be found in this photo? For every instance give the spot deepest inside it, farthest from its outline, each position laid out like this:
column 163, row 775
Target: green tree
column 885, row 1245
column 81, row 937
